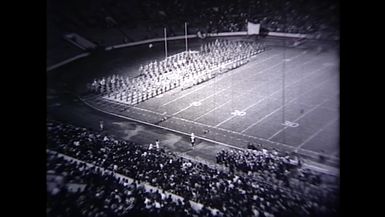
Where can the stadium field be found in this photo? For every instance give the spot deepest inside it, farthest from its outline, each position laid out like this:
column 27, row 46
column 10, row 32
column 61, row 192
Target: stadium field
column 284, row 98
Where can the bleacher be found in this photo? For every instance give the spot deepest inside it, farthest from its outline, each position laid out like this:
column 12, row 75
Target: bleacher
column 139, row 20
column 232, row 194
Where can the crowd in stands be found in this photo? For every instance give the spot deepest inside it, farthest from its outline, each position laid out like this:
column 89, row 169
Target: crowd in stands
column 257, row 161
column 233, row 195
column 181, row 70
column 262, row 160
column 106, row 22
column 296, row 16
column 106, row 195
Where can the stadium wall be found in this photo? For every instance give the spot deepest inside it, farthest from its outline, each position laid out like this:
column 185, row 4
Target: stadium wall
column 220, row 34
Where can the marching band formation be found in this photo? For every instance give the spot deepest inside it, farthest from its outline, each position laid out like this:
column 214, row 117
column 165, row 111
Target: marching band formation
column 183, row 70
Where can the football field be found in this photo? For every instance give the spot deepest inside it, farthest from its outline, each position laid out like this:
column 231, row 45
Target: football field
column 284, row 98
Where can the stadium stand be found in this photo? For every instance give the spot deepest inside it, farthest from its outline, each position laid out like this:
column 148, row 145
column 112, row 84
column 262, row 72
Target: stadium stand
column 232, row 194
column 257, row 161
column 254, row 182
column 109, row 23
column 78, row 190
column 278, row 166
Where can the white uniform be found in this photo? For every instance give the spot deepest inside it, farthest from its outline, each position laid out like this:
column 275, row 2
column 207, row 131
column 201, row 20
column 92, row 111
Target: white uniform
column 192, row 139
column 157, row 144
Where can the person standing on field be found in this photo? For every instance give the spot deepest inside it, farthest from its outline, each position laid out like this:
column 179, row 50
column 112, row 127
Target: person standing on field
column 192, row 139
column 101, row 126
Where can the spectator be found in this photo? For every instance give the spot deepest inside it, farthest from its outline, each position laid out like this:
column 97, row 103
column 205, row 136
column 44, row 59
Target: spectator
column 232, row 193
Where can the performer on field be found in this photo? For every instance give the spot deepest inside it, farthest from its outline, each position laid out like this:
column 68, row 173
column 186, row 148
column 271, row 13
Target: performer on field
column 101, row 126
column 192, row 139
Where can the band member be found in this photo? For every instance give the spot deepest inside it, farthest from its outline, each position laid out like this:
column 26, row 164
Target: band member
column 192, row 139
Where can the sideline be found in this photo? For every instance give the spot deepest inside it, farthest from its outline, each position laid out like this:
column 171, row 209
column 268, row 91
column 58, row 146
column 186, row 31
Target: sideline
column 309, row 165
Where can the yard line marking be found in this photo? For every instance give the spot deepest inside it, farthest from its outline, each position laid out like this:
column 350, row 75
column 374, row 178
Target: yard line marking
column 218, row 107
column 311, row 105
column 242, row 134
column 239, row 81
column 226, row 75
column 206, row 139
column 214, row 94
column 301, row 116
column 295, row 98
column 226, row 88
column 316, row 133
column 208, row 84
column 147, row 110
column 252, row 89
column 215, row 108
column 251, row 137
column 181, row 110
column 266, row 97
column 238, row 133
column 200, row 101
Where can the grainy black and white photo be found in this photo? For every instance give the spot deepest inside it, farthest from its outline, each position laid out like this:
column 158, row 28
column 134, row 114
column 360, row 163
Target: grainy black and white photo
column 199, row 108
